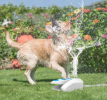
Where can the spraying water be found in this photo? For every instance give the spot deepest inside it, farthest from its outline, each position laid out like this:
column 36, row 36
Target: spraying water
column 76, row 46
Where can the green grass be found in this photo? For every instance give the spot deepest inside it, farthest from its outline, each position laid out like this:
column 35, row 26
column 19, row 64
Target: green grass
column 14, row 86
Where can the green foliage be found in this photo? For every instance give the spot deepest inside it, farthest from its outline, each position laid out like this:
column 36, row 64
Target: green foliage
column 34, row 20
column 94, row 23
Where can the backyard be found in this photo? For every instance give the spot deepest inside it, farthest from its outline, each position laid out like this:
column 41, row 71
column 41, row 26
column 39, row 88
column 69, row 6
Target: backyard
column 88, row 28
column 14, row 86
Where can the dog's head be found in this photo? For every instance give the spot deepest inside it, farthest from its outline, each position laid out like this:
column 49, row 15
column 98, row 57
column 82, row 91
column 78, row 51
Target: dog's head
column 57, row 28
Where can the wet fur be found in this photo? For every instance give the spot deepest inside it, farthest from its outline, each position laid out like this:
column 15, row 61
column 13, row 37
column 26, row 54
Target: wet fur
column 41, row 51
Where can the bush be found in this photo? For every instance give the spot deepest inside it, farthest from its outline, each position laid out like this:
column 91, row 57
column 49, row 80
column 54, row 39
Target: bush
column 33, row 20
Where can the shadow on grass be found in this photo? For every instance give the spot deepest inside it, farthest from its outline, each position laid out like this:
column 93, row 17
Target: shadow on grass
column 4, row 84
column 41, row 80
column 19, row 80
column 45, row 80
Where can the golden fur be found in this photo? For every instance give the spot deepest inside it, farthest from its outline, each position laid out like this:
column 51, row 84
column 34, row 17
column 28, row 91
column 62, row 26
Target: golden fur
column 42, row 51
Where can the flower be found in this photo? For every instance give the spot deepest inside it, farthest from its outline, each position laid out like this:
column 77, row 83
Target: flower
column 11, row 29
column 5, row 31
column 49, row 37
column 1, row 28
column 46, row 15
column 73, row 36
column 74, row 18
column 105, row 9
column 31, row 26
column 78, row 16
column 70, row 25
column 30, row 15
column 13, row 33
column 77, row 11
column 87, row 37
column 49, row 23
column 86, row 10
column 11, row 22
column 71, row 42
column 18, row 32
column 16, row 29
column 71, row 14
column 6, row 25
column 104, row 36
column 96, row 21
column 42, row 29
column 5, row 22
column 16, row 38
column 99, row 8
column 10, row 57
column 68, row 22
column 18, row 24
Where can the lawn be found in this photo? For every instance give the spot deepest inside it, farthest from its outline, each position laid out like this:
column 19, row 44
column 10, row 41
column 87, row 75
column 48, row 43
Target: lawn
column 14, row 86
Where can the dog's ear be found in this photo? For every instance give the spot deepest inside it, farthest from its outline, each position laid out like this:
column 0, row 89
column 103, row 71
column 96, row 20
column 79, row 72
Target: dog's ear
column 49, row 28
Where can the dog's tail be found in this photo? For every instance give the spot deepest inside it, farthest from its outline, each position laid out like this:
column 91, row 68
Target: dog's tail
column 11, row 42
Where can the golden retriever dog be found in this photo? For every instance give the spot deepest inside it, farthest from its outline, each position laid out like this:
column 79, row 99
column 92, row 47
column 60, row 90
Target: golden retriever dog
column 46, row 52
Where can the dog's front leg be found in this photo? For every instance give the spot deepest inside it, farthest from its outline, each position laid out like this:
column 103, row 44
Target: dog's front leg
column 57, row 67
column 67, row 71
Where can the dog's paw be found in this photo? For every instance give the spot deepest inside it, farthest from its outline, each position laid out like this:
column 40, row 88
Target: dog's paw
column 69, row 76
column 32, row 83
column 63, row 76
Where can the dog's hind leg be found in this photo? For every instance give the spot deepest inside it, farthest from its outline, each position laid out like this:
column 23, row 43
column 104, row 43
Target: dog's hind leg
column 27, row 74
column 31, row 67
column 33, row 73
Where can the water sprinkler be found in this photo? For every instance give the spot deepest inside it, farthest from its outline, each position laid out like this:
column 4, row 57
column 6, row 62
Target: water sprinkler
column 67, row 84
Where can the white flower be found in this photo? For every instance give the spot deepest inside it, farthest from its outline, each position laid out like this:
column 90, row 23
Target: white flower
column 5, row 22
column 77, row 11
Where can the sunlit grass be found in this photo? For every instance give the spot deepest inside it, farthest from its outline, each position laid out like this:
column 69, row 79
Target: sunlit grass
column 14, row 86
